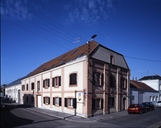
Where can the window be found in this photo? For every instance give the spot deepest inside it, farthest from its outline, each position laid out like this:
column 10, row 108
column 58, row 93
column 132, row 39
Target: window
column 73, row 79
column 56, row 81
column 32, row 99
column 70, row 102
column 98, row 78
column 123, row 83
column 32, row 86
column 160, row 87
column 112, row 81
column 151, row 98
column 111, row 59
column 27, row 87
column 111, row 102
column 38, row 85
column 46, row 100
column 27, row 99
column 97, row 104
column 46, row 83
column 57, row 101
column 23, row 87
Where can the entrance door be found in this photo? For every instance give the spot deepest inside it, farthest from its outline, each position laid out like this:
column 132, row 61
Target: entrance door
column 39, row 101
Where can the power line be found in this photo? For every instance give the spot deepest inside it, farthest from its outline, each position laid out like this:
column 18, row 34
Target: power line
column 143, row 59
column 36, row 34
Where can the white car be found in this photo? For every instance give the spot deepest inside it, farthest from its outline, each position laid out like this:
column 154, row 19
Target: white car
column 158, row 104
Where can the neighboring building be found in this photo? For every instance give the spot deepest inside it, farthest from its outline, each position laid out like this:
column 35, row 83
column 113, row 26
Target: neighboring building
column 2, row 90
column 13, row 91
column 140, row 92
column 154, row 82
column 85, row 81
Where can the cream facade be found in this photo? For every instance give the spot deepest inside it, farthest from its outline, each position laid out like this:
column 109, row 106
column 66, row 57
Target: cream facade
column 80, row 83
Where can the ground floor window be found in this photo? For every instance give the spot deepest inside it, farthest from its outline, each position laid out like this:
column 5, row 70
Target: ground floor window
column 70, row 102
column 57, row 101
column 97, row 104
column 111, row 102
column 46, row 100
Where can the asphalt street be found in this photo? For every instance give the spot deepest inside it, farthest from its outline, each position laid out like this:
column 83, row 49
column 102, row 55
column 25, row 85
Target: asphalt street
column 20, row 116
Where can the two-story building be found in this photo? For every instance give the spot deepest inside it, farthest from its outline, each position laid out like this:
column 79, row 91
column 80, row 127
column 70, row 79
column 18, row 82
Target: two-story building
column 90, row 79
column 154, row 82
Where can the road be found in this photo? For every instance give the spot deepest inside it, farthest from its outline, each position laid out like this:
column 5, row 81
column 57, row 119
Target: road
column 19, row 117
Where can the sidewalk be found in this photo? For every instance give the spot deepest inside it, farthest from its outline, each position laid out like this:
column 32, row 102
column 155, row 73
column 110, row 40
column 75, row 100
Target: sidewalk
column 74, row 118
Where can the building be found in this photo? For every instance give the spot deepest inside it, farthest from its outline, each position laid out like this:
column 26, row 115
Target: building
column 13, row 91
column 140, row 92
column 88, row 80
column 154, row 82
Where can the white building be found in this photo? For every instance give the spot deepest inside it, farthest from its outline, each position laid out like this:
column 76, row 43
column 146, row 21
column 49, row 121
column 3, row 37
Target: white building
column 140, row 92
column 13, row 91
column 154, row 82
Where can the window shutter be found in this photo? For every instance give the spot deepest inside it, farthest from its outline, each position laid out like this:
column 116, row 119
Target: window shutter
column 75, row 78
column 65, row 102
column 53, row 82
column 53, row 100
column 102, row 79
column 48, row 82
column 59, row 101
column 93, row 104
column 59, row 80
column 43, row 83
column 75, row 103
column 44, row 99
column 48, row 100
column 93, row 78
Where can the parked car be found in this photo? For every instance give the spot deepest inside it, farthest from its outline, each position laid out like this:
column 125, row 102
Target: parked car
column 137, row 108
column 149, row 105
column 158, row 104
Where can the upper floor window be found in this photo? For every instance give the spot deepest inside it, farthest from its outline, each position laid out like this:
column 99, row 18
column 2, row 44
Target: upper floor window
column 56, row 81
column 32, row 86
column 123, row 83
column 111, row 59
column 38, row 85
column 112, row 81
column 160, row 87
column 27, row 87
column 98, row 78
column 46, row 83
column 23, row 87
column 73, row 79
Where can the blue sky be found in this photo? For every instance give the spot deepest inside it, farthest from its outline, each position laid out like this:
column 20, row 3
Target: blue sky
column 36, row 31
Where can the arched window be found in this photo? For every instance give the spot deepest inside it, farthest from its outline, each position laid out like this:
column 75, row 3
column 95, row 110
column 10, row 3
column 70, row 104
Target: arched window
column 156, row 98
column 153, row 98
column 150, row 99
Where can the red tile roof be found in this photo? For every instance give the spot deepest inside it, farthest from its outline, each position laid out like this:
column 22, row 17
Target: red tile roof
column 140, row 85
column 66, row 57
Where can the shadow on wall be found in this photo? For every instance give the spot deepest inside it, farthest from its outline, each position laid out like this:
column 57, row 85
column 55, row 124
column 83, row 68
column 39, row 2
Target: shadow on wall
column 28, row 99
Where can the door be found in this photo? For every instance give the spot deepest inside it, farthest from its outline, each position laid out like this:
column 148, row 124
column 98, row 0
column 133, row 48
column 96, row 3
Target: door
column 39, row 101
